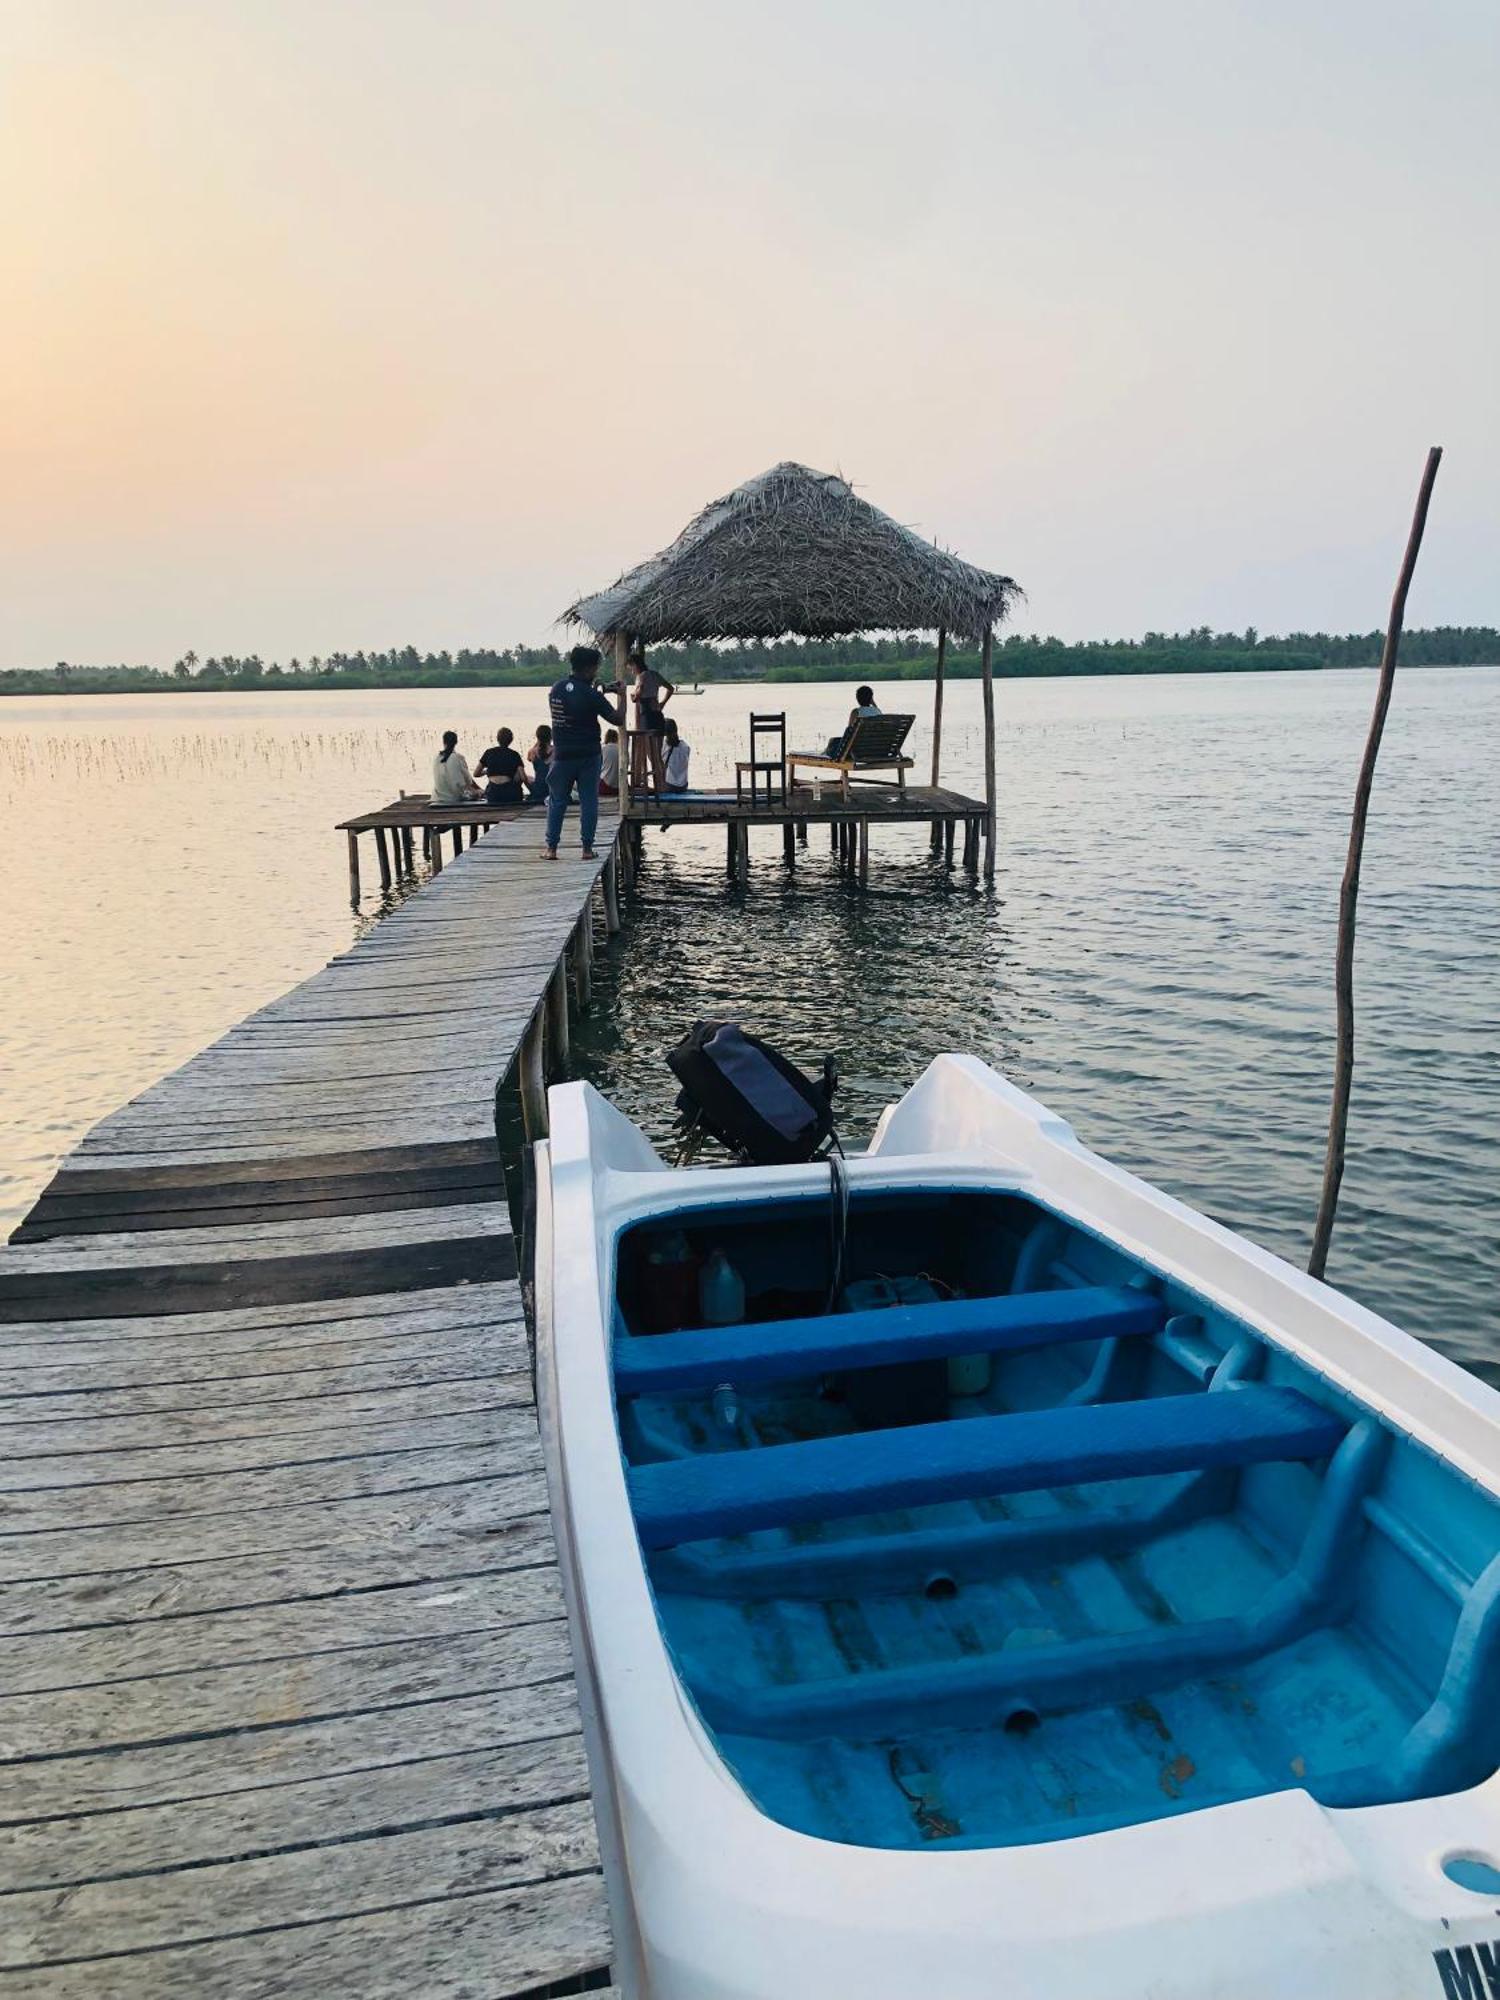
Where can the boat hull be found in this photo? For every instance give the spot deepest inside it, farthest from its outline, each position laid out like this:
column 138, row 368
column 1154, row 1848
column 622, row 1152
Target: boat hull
column 717, row 1899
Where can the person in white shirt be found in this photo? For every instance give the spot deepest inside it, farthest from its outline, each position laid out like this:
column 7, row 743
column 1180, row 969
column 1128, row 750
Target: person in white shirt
column 452, row 781
column 678, row 752
column 609, row 765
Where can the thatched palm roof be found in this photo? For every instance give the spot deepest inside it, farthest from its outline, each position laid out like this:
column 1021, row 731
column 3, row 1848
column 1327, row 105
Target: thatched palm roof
column 796, row 551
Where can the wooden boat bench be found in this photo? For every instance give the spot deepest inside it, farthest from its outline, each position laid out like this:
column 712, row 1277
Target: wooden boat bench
column 778, row 1350
column 870, row 743
column 777, row 1486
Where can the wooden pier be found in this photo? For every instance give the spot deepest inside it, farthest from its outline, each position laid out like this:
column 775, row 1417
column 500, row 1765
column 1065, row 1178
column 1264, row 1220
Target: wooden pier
column 287, row 1699
column 848, row 821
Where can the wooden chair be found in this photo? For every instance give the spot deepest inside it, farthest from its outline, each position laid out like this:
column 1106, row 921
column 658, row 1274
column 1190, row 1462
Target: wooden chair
column 763, row 767
column 870, row 743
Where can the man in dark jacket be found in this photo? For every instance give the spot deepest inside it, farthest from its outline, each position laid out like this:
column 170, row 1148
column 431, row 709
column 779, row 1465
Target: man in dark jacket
column 577, row 708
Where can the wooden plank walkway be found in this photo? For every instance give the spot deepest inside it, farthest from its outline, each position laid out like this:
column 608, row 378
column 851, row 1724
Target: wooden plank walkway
column 286, row 1694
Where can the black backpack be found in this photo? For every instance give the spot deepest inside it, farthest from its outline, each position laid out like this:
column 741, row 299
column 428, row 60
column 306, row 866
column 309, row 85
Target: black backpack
column 749, row 1097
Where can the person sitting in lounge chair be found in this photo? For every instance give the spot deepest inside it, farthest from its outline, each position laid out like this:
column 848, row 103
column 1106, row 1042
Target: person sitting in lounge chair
column 864, row 704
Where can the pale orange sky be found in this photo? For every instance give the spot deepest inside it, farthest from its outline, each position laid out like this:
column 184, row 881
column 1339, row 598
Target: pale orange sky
column 352, row 323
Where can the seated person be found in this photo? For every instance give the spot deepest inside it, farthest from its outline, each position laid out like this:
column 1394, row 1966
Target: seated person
column 864, row 704
column 677, row 754
column 452, row 781
column 501, row 764
column 609, row 766
column 539, row 757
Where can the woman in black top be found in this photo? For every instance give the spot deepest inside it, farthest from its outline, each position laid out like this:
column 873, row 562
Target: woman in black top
column 502, row 765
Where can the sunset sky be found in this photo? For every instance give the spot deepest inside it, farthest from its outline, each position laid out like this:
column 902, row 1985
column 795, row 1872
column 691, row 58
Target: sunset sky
column 342, row 323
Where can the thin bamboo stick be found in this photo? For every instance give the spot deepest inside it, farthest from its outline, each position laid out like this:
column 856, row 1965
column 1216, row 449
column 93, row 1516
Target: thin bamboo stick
column 1343, row 973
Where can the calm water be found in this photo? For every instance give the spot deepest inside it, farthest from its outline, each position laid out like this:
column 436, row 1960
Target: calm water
column 1155, row 960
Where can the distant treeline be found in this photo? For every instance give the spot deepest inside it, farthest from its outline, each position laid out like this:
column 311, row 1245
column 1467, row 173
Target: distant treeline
column 908, row 656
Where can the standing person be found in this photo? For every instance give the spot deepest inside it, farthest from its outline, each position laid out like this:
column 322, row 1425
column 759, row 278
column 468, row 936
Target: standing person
column 577, row 707
column 609, row 770
column 452, row 781
column 652, row 693
column 677, row 755
column 501, row 764
column 539, row 757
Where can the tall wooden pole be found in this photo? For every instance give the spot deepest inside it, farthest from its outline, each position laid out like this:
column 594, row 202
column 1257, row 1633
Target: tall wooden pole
column 987, row 666
column 937, row 706
column 622, row 653
column 937, row 727
column 1343, row 972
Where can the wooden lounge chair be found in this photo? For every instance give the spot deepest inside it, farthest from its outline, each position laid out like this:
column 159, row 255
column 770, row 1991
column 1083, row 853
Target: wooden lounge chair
column 870, row 743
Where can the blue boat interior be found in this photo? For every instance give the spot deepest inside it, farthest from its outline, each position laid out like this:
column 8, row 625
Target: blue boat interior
column 974, row 1531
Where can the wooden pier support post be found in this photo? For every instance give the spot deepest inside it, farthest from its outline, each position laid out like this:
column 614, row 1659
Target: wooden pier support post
column 458, row 841
column 731, row 850
column 789, row 845
column 609, row 889
column 435, row 849
column 937, row 726
column 864, row 851
column 802, row 833
column 383, row 856
column 833, row 836
column 408, row 854
column 583, row 958
column 971, row 845
column 950, row 827
column 557, row 1019
column 354, row 871
column 987, row 670
column 742, row 848
column 533, row 1078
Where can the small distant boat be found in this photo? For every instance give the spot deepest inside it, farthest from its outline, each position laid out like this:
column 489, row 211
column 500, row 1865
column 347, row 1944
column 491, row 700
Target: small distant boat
column 1032, row 1589
column 696, row 688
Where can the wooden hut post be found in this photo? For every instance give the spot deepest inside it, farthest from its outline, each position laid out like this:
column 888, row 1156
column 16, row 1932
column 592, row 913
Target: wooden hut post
column 937, row 726
column 622, row 653
column 987, row 670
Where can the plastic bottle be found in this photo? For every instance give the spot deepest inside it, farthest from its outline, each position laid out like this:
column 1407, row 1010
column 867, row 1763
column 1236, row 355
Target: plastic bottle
column 721, row 1291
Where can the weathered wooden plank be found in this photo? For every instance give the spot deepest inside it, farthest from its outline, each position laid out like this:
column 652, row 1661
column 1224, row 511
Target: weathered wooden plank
column 139, row 1440
column 145, row 1840
column 477, row 1305
column 268, row 1892
column 45, row 1228
column 296, row 1687
column 124, row 1249
column 475, row 1507
column 25, row 1512
column 191, row 1589
column 150, row 1289
column 267, row 1451
column 396, row 1160
column 289, row 1377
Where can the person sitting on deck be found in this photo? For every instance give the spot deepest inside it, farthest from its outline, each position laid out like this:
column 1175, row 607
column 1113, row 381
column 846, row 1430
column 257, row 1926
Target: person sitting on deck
column 502, row 765
column 678, row 752
column 452, row 781
column 577, row 707
column 539, row 757
column 864, row 704
column 609, row 769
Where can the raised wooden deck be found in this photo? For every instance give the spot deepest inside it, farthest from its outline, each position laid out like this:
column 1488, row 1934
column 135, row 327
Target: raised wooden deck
column 288, row 1702
column 848, row 820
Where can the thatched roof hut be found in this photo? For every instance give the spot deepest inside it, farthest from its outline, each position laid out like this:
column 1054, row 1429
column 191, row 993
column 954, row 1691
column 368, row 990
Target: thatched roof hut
column 796, row 551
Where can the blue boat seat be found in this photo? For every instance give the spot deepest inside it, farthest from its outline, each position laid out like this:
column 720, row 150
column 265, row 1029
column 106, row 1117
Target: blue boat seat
column 773, row 1486
column 779, row 1349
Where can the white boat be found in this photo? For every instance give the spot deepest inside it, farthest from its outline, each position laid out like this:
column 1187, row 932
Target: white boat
column 1117, row 1614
